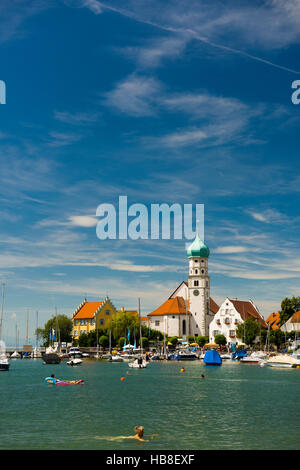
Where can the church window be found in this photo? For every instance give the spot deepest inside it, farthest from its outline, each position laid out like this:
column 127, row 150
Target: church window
column 196, row 261
column 202, row 271
column 183, row 327
column 202, row 261
column 196, row 283
column 196, row 271
column 101, row 321
column 107, row 312
column 173, row 316
column 156, row 322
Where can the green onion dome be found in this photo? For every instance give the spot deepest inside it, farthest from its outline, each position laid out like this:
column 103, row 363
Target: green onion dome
column 198, row 249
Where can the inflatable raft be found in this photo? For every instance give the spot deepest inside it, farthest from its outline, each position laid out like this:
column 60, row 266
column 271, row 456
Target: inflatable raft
column 52, row 381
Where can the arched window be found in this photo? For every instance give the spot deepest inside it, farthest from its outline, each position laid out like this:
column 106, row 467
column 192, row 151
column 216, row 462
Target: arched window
column 183, row 327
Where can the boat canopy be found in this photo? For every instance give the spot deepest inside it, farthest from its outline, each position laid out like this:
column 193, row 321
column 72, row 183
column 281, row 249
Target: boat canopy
column 212, row 357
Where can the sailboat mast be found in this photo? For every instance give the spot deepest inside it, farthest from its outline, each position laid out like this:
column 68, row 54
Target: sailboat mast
column 2, row 308
column 27, row 326
column 36, row 330
column 141, row 344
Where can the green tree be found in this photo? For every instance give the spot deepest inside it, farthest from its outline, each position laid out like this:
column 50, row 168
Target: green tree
column 145, row 342
column 103, row 341
column 248, row 331
column 61, row 324
column 288, row 308
column 121, row 322
column 173, row 340
column 277, row 337
column 121, row 342
column 202, row 340
column 220, row 340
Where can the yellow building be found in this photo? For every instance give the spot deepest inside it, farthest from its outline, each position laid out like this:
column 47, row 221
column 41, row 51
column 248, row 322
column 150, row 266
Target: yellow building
column 90, row 314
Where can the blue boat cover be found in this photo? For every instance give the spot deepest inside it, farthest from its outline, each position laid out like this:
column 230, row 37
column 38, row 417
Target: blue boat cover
column 212, row 358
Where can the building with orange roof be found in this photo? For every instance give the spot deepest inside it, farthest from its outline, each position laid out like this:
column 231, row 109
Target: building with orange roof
column 90, row 315
column 293, row 323
column 171, row 318
column 230, row 314
column 273, row 321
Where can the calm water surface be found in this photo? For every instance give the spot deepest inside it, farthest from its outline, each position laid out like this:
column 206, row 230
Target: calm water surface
column 236, row 406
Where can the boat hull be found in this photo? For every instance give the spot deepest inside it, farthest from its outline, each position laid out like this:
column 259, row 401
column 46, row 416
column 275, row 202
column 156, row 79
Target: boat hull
column 4, row 366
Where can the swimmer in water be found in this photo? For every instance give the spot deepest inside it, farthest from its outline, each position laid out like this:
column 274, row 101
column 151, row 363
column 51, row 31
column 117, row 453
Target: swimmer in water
column 202, row 376
column 139, row 433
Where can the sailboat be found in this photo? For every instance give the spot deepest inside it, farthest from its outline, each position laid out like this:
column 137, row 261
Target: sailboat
column 139, row 362
column 4, row 361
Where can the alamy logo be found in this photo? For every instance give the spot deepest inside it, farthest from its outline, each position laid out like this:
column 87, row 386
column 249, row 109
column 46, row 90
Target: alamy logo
column 163, row 221
column 2, row 92
column 296, row 95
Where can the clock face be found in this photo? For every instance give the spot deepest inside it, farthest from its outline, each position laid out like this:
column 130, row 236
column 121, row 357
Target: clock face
column 196, row 292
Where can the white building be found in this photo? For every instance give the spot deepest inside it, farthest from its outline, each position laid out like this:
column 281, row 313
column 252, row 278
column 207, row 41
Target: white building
column 230, row 313
column 189, row 309
column 293, row 323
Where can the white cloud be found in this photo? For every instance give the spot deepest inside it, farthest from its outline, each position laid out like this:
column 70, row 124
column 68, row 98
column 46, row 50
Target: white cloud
column 77, row 118
column 83, row 221
column 134, row 95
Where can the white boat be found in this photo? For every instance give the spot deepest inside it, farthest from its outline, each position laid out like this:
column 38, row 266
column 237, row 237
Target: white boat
column 4, row 361
column 74, row 362
column 36, row 353
column 138, row 363
column 255, row 358
column 15, row 355
column 224, row 356
column 74, row 352
column 283, row 360
column 116, row 358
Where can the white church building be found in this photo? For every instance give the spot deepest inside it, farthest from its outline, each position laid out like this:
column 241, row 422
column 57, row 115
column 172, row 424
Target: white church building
column 189, row 309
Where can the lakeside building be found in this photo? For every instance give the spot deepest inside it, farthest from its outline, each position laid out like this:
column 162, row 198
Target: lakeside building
column 89, row 314
column 293, row 323
column 189, row 309
column 273, row 320
column 230, row 313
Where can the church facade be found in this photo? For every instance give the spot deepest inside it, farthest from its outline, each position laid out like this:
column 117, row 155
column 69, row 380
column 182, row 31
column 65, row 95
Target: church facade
column 189, row 309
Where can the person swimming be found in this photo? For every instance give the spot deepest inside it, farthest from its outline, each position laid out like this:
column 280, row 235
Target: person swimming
column 139, row 430
column 75, row 382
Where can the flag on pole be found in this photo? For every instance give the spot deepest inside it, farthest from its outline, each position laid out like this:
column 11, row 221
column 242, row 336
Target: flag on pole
column 53, row 334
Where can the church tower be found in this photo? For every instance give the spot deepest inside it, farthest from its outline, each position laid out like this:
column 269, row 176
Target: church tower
column 199, row 286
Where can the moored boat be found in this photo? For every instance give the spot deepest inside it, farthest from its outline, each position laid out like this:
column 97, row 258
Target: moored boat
column 212, row 358
column 283, row 361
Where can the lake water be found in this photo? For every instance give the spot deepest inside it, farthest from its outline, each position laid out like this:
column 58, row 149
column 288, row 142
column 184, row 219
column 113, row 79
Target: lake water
column 236, row 406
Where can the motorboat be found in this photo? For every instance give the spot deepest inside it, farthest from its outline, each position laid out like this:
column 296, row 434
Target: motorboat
column 182, row 355
column 212, row 358
column 74, row 352
column 116, row 358
column 74, row 362
column 255, row 358
column 51, row 356
column 138, row 363
column 4, row 361
column 283, row 361
column 225, row 356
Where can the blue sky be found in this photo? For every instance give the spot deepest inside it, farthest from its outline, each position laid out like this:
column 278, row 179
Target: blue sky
column 162, row 101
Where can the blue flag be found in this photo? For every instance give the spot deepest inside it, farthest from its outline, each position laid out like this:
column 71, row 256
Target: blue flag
column 128, row 336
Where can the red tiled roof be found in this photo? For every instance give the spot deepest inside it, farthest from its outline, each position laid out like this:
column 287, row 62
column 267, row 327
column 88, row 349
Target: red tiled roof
column 213, row 306
column 176, row 306
column 274, row 320
column 144, row 319
column 296, row 317
column 246, row 309
column 88, row 310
